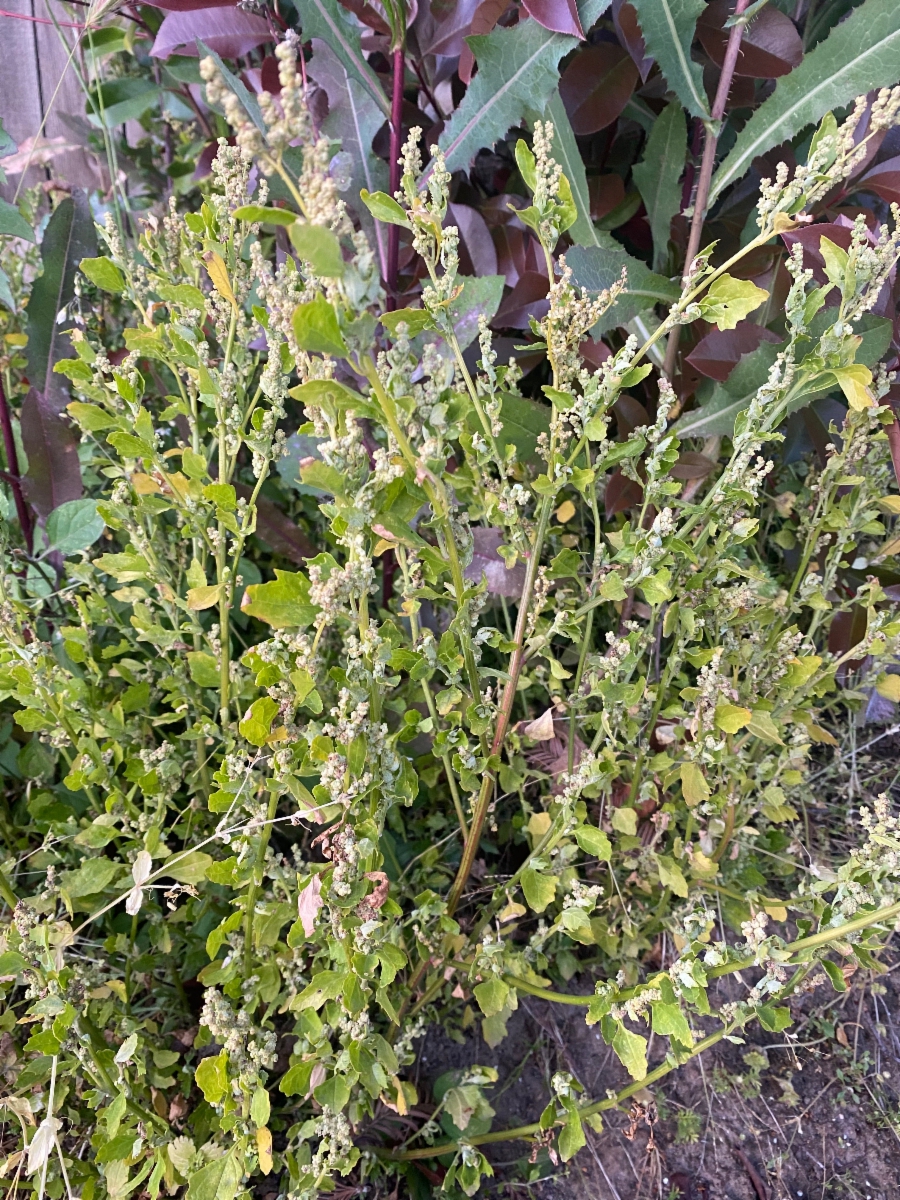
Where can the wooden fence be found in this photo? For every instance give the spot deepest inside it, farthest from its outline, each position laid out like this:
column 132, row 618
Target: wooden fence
column 35, row 84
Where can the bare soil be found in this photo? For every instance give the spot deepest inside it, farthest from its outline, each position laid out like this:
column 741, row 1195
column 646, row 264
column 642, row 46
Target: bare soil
column 811, row 1114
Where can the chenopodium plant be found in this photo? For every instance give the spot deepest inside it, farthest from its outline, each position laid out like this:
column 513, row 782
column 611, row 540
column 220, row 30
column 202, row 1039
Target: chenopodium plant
column 226, row 770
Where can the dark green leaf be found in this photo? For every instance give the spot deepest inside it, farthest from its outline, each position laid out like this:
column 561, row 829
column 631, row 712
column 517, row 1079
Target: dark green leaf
column 658, row 175
column 668, row 27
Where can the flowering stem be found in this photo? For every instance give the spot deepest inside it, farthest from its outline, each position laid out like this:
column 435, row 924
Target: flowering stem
column 710, row 142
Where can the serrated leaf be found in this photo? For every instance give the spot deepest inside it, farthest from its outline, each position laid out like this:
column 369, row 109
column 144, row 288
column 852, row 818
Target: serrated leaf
column 658, row 174
column 491, row 995
column 668, row 28
column 218, row 1180
column 258, row 719
column 859, row 55
column 670, row 1021
column 283, row 603
column 631, row 1049
column 730, row 300
column 671, row 875
column 594, row 841
column 325, row 19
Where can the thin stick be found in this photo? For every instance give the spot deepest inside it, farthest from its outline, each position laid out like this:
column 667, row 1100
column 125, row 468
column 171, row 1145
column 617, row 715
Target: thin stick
column 710, row 142
column 393, row 258
column 15, row 480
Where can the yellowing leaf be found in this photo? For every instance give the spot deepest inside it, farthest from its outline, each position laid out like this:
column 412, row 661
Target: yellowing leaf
column 693, row 784
column 565, row 512
column 762, row 726
column 264, row 1149
column 671, row 875
column 218, row 273
column 199, row 598
column 731, row 717
column 855, row 382
column 889, row 687
column 888, row 504
column 541, row 729
column 730, row 300
column 144, row 485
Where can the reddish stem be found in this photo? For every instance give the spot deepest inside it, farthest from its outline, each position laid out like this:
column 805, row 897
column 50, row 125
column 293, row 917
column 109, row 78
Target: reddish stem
column 12, row 461
column 393, row 255
column 710, row 143
column 893, row 437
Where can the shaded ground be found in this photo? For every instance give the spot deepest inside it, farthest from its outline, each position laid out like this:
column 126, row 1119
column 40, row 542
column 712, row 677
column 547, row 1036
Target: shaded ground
column 812, row 1114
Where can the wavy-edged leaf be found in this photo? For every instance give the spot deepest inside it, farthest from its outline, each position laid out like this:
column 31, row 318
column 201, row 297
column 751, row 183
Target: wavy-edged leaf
column 668, row 28
column 860, row 54
column 326, row 20
column 517, row 75
column 658, row 174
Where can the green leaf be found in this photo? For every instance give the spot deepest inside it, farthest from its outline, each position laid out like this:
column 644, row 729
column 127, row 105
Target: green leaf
column 13, row 224
column 184, row 294
column 325, row 19
column 91, row 417
column 104, row 273
column 517, row 75
column 670, row 1021
column 491, row 995
column 594, row 841
column 599, row 266
column 384, row 208
column 188, row 868
column 334, row 1092
column 480, row 297
column 260, row 1107
column 11, row 963
column 316, row 328
column 693, row 784
column 658, row 174
column 94, row 875
column 218, row 1180
column 203, row 597
column 320, row 248
column 212, row 1076
column 416, row 320
column 668, row 27
column 539, row 889
column 68, row 238
column 325, row 985
column 774, row 1019
column 859, row 55
column 258, row 719
column 284, row 603
column 258, row 214
column 835, row 974
column 631, row 1049
column 732, row 717
column 74, row 526
column 203, row 668
column 324, row 478
column 730, row 300
column 571, row 1136
column 671, row 875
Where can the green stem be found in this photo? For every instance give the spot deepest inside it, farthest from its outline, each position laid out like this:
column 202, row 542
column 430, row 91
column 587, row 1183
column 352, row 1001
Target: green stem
column 255, row 884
